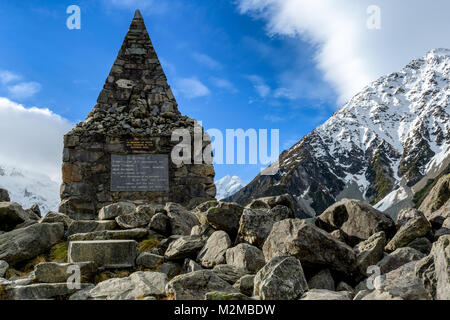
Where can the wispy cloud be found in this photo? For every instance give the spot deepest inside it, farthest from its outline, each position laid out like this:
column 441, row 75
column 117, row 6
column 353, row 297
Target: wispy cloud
column 207, row 61
column 274, row 118
column 260, row 85
column 191, row 88
column 8, row 76
column 224, row 84
column 24, row 90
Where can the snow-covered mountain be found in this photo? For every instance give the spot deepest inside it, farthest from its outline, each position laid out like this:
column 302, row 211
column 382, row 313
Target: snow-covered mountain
column 227, row 186
column 28, row 188
column 382, row 146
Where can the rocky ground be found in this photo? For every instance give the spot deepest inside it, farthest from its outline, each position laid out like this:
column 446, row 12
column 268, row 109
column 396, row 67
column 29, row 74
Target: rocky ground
column 224, row 251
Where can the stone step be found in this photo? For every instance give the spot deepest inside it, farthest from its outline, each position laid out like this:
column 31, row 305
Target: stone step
column 105, row 253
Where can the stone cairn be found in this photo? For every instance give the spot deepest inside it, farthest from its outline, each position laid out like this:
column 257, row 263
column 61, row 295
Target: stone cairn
column 136, row 113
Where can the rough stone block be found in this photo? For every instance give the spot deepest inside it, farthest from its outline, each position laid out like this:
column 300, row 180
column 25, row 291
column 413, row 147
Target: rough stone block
column 107, row 253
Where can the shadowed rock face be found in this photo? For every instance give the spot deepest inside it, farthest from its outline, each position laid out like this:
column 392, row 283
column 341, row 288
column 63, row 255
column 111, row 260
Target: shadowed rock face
column 136, row 104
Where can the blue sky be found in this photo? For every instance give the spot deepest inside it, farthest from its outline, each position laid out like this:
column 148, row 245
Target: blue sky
column 247, row 75
column 232, row 63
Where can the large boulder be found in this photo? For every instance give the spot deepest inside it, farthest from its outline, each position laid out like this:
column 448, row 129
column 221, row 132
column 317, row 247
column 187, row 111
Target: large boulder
column 4, row 266
column 27, row 243
column 441, row 258
column 52, row 272
column 314, row 247
column 137, row 286
column 246, row 256
column 370, row 251
column 12, row 215
column 134, row 234
column 149, row 260
column 399, row 258
column 245, row 284
column 401, row 283
column 184, row 247
column 322, row 280
column 256, row 224
column 407, row 214
column 181, row 220
column 282, row 278
column 42, row 291
column 135, row 219
column 4, row 195
column 322, row 294
column 160, row 223
column 87, row 226
column 107, row 254
column 55, row 217
column 356, row 219
column 411, row 230
column 437, row 199
column 230, row 274
column 114, row 210
column 225, row 216
column 213, row 253
column 271, row 202
column 194, row 285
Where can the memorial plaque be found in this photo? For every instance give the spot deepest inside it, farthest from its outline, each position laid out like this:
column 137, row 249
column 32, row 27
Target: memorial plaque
column 139, row 144
column 140, row 172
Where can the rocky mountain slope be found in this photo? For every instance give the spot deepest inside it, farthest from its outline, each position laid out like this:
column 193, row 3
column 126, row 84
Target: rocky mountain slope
column 382, row 146
column 227, row 186
column 28, row 188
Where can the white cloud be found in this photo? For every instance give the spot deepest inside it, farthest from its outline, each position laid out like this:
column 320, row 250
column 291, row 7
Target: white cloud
column 24, row 90
column 191, row 88
column 350, row 55
column 8, row 76
column 207, row 61
column 224, row 84
column 32, row 138
column 260, row 86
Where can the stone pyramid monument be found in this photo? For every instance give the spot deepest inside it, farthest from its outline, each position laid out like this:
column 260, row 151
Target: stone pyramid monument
column 122, row 151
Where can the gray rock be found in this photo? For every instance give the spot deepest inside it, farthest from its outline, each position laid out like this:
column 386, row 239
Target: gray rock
column 12, row 215
column 370, row 251
column 230, row 274
column 41, row 291
column 160, row 223
column 312, row 246
column 441, row 232
column 205, row 231
column 425, row 270
column 441, row 256
column 437, row 199
column 194, row 285
column 271, row 202
column 136, row 219
column 4, row 195
column 225, row 216
column 138, row 285
column 421, row 244
column 225, row 296
column 4, row 266
column 401, row 283
column 114, row 210
column 343, row 286
column 184, row 247
column 413, row 229
column 191, row 266
column 171, row 269
column 83, row 294
column 149, row 260
column 25, row 244
column 107, row 254
column 407, row 214
column 282, row 278
column 256, row 224
column 398, row 258
column 134, row 234
column 322, row 280
column 361, row 294
column 323, row 294
column 245, row 256
column 87, row 226
column 181, row 220
column 349, row 215
column 213, row 253
column 52, row 272
column 245, row 284
column 54, row 217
